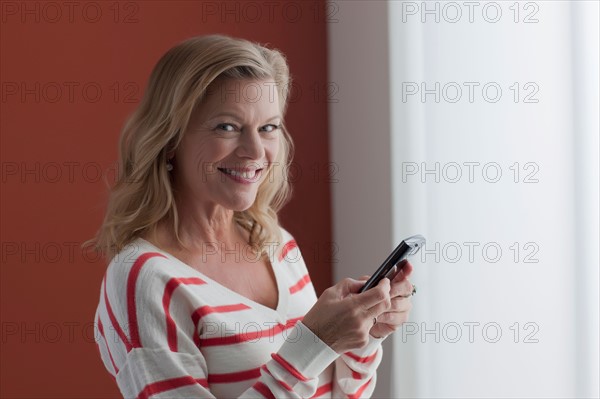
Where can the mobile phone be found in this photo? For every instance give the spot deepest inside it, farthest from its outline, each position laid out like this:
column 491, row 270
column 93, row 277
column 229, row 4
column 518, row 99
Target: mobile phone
column 408, row 247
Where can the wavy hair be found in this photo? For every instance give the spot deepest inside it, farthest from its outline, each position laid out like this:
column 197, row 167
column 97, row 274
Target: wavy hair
column 142, row 196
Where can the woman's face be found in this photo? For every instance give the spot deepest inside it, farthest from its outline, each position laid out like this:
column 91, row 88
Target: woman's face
column 231, row 140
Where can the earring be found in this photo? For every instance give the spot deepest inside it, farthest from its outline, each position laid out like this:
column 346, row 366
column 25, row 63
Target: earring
column 169, row 166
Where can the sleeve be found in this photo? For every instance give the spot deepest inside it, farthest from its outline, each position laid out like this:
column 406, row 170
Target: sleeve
column 354, row 374
column 158, row 356
column 161, row 373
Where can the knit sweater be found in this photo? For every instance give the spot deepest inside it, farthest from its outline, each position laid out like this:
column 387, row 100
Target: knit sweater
column 167, row 330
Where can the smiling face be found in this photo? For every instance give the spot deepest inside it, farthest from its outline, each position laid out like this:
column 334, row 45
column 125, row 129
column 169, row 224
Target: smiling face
column 230, row 142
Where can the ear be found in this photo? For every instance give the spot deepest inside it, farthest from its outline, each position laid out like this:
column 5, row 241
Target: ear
column 170, row 155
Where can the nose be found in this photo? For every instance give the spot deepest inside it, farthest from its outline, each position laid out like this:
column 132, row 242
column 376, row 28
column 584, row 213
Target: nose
column 251, row 145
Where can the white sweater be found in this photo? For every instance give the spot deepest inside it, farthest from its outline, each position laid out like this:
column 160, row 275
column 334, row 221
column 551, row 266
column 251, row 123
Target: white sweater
column 169, row 331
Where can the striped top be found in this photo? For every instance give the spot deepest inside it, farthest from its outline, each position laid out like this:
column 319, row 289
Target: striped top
column 168, row 331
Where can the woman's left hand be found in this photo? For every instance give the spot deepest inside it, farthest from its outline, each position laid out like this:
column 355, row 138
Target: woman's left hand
column 400, row 292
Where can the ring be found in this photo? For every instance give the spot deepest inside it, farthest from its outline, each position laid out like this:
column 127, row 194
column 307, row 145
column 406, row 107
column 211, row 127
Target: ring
column 374, row 320
column 414, row 291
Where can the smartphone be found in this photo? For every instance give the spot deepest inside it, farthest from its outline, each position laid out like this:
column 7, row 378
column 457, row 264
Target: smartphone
column 389, row 268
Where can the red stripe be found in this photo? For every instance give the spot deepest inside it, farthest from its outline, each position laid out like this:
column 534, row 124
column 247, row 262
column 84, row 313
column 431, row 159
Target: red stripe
column 362, row 359
column 113, row 319
column 356, row 375
column 287, row 248
column 263, row 390
column 234, row 377
column 131, row 309
column 291, row 369
column 300, row 284
column 115, row 370
column 280, row 382
column 323, row 389
column 166, row 385
column 250, row 335
column 204, row 310
column 358, row 393
column 171, row 286
column 101, row 328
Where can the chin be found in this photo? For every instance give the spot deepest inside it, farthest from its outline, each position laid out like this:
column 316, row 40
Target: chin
column 240, row 206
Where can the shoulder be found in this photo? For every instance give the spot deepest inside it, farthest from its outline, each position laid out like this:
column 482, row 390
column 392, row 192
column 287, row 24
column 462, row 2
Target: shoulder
column 288, row 250
column 137, row 270
column 286, row 235
column 136, row 296
column 137, row 257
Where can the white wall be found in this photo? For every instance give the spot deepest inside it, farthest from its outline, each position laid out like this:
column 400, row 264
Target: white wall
column 585, row 61
column 379, row 132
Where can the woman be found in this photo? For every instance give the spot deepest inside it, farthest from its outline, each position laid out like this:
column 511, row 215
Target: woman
column 206, row 295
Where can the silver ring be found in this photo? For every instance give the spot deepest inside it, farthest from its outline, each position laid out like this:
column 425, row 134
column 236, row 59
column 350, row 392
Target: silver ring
column 414, row 291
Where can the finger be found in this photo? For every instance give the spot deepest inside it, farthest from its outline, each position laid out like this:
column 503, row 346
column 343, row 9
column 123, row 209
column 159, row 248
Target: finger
column 402, row 288
column 364, row 278
column 405, row 270
column 393, row 318
column 372, row 297
column 379, row 309
column 350, row 286
column 383, row 306
column 400, row 304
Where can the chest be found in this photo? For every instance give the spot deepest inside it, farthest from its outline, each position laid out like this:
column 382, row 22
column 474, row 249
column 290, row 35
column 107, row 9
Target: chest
column 254, row 280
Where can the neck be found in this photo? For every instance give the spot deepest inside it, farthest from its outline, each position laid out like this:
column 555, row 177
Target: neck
column 206, row 230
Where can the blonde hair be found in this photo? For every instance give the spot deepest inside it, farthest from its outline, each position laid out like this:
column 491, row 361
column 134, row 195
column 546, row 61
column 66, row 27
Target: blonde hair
column 142, row 195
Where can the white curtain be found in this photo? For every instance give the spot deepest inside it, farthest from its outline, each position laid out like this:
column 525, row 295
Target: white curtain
column 476, row 125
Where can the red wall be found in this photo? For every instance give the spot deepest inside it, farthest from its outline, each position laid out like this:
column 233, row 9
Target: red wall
column 70, row 73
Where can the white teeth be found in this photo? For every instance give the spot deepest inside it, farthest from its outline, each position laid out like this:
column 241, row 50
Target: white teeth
column 245, row 175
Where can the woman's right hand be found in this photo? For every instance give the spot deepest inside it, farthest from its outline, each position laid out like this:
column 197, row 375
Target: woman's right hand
column 342, row 318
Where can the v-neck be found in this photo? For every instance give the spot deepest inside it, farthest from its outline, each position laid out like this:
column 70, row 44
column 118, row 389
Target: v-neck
column 282, row 292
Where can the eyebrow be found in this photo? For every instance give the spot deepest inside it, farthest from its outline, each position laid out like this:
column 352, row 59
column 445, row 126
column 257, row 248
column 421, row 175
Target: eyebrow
column 237, row 116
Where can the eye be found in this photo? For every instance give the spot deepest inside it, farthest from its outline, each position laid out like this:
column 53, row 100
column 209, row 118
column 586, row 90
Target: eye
column 271, row 128
column 227, row 127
